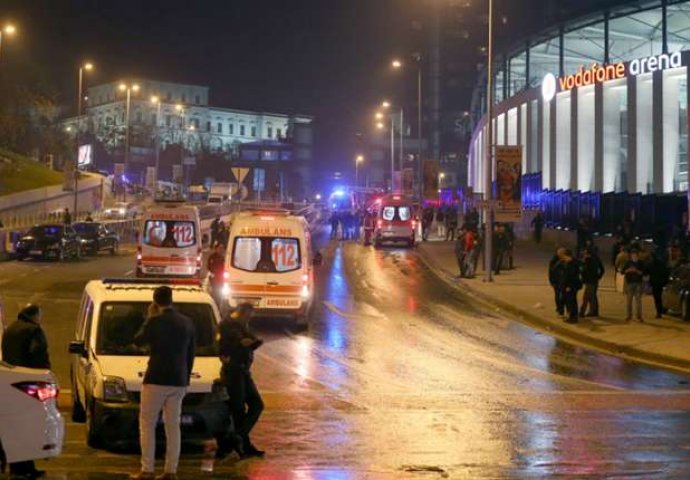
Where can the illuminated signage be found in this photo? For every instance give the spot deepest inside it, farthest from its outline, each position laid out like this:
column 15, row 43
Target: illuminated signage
column 603, row 73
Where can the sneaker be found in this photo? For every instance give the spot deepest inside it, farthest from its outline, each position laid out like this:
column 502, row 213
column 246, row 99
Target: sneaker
column 142, row 475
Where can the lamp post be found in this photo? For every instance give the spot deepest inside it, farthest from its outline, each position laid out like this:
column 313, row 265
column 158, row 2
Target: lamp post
column 441, row 176
column 488, row 154
column 386, row 105
column 155, row 100
column 380, row 125
column 80, row 88
column 397, row 64
column 8, row 30
column 128, row 89
column 358, row 159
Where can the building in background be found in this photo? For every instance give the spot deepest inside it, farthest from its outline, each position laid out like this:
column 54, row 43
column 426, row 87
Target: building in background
column 207, row 140
column 599, row 105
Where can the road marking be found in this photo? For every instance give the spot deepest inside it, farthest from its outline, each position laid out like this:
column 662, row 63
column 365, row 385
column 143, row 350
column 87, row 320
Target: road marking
column 128, row 273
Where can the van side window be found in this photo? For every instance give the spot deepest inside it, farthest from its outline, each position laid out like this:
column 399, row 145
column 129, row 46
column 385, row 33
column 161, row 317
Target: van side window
column 88, row 317
column 79, row 330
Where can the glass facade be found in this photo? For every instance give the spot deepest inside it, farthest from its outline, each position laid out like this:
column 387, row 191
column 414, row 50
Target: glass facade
column 628, row 133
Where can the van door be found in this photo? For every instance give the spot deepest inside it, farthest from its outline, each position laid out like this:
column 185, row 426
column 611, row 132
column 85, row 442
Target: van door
column 284, row 282
column 82, row 364
column 170, row 248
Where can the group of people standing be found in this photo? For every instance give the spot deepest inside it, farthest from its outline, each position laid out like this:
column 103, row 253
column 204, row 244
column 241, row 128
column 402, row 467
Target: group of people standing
column 220, row 232
column 446, row 217
column 347, row 224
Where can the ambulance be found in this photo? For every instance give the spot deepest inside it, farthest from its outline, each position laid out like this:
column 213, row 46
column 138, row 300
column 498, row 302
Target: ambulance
column 269, row 264
column 394, row 220
column 170, row 242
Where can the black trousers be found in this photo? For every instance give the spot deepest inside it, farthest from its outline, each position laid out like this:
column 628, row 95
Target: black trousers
column 590, row 299
column 22, row 468
column 569, row 297
column 558, row 298
column 657, row 290
column 245, row 402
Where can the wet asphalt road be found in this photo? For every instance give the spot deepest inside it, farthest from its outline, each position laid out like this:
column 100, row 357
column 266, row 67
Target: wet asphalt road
column 401, row 376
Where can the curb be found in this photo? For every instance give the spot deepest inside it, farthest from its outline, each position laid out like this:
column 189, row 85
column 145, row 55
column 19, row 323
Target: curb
column 628, row 353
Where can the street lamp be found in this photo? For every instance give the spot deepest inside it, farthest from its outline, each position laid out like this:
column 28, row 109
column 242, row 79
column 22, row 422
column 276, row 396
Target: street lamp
column 85, row 67
column 358, row 159
column 488, row 156
column 128, row 89
column 155, row 100
column 441, row 176
column 8, row 30
column 397, row 64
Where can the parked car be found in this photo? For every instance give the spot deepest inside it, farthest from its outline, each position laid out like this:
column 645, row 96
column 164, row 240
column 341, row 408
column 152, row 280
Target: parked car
column 121, row 211
column 31, row 426
column 107, row 368
column 96, row 237
column 676, row 296
column 49, row 241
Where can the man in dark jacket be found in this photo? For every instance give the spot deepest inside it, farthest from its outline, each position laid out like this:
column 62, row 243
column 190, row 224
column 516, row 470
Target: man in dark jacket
column 633, row 270
column 570, row 282
column 24, row 345
column 216, row 269
column 658, row 278
column 237, row 346
column 171, row 338
column 554, row 279
column 537, row 224
column 592, row 271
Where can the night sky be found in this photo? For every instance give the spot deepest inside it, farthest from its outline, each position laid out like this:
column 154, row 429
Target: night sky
column 327, row 58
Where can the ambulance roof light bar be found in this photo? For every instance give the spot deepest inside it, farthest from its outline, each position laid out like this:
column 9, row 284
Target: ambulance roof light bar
column 151, row 281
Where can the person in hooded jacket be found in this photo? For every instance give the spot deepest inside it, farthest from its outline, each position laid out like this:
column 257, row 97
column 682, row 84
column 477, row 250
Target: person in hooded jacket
column 24, row 344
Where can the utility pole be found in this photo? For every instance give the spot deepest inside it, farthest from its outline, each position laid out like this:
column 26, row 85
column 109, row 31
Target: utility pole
column 488, row 155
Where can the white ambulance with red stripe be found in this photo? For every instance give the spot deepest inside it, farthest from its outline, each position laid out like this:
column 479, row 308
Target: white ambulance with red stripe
column 170, row 242
column 270, row 264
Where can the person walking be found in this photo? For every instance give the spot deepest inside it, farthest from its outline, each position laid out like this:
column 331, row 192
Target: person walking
column 67, row 217
column 451, row 224
column 658, row 278
column 236, row 347
column 500, row 245
column 459, row 249
column 633, row 271
column 427, row 220
column 171, row 340
column 24, row 344
column 537, row 224
column 441, row 222
column 470, row 247
column 554, row 279
column 570, row 282
column 215, row 264
column 215, row 224
column 592, row 271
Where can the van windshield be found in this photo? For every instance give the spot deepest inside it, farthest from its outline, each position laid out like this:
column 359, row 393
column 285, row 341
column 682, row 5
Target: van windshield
column 392, row 213
column 120, row 322
column 169, row 233
column 266, row 254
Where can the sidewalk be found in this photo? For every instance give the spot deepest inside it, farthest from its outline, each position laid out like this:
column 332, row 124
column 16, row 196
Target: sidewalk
column 525, row 293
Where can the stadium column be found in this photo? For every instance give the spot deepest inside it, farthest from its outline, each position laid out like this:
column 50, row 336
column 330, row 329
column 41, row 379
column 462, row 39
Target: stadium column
column 598, row 179
column 573, row 139
column 658, row 131
column 632, row 134
column 553, row 150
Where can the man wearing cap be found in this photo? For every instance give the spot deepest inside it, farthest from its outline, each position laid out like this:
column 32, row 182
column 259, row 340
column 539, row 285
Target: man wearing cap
column 236, row 348
column 171, row 338
column 24, row 345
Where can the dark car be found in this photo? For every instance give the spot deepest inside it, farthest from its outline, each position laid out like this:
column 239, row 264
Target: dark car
column 49, row 241
column 676, row 296
column 96, row 237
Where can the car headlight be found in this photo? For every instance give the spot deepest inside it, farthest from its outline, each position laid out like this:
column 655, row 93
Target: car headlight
column 122, row 211
column 114, row 389
column 305, row 292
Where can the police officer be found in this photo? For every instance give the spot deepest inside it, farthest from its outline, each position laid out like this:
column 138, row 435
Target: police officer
column 24, row 345
column 237, row 346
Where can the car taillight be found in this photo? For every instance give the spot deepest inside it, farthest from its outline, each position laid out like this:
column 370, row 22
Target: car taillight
column 414, row 223
column 41, row 391
column 226, row 275
column 138, row 254
column 379, row 224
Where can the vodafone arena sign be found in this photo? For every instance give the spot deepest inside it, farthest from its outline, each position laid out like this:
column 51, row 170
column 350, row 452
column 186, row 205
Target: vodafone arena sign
column 603, row 73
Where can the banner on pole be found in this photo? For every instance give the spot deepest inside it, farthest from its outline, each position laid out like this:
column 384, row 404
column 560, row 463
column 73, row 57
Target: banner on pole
column 508, row 182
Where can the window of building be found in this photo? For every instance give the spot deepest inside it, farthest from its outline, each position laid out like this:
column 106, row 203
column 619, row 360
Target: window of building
column 677, row 24
column 635, row 36
column 122, row 117
column 108, row 120
column 269, row 132
column 259, row 180
column 167, row 120
column 184, row 98
column 231, row 128
column 583, row 47
column 219, row 127
column 195, row 122
column 518, row 73
column 242, row 130
column 253, row 131
column 197, row 100
column 208, row 126
column 543, row 59
column 279, row 133
column 153, row 119
column 168, row 96
column 139, row 117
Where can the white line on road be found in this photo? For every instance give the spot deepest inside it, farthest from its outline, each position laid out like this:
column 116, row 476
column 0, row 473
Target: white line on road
column 128, row 273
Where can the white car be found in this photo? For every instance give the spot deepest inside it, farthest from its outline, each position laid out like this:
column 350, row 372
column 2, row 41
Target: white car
column 107, row 369
column 121, row 210
column 31, row 426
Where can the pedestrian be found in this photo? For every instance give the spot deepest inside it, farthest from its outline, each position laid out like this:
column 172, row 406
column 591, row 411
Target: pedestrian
column 570, row 282
column 440, row 222
column 368, row 227
column 470, row 247
column 427, row 220
column 633, row 271
column 215, row 264
column 592, row 271
column 618, row 264
column 537, row 224
column 510, row 244
column 223, row 234
column 500, row 245
column 334, row 224
column 236, row 346
column 451, row 224
column 170, row 337
column 554, row 279
column 24, row 344
column 67, row 217
column 215, row 224
column 459, row 250
column 88, row 218
column 658, row 278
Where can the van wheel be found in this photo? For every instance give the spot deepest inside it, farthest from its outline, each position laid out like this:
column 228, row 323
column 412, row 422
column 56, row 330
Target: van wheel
column 94, row 439
column 114, row 248
column 685, row 309
column 78, row 412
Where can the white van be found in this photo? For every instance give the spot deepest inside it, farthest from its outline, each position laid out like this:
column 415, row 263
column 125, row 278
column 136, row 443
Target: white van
column 170, row 242
column 107, row 369
column 270, row 264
